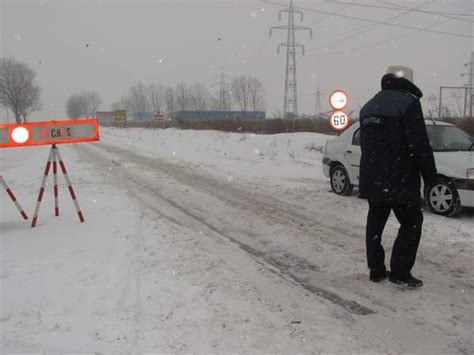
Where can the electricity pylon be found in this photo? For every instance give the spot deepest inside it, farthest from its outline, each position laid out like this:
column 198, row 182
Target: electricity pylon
column 224, row 99
column 290, row 103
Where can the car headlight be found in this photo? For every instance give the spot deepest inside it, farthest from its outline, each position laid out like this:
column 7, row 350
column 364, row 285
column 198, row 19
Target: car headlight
column 470, row 174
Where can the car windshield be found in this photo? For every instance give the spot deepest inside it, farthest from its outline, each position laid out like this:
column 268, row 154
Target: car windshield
column 448, row 138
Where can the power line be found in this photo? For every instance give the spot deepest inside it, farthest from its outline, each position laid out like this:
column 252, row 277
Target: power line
column 335, row 12
column 376, row 22
column 397, row 7
column 369, row 28
column 384, row 41
column 452, row 17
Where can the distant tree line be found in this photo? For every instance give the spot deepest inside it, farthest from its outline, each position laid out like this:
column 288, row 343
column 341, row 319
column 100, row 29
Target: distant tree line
column 246, row 93
column 83, row 104
column 18, row 89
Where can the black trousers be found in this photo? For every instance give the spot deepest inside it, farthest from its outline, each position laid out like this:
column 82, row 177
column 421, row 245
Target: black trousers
column 406, row 244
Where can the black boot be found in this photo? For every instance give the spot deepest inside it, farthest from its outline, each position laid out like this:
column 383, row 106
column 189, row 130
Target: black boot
column 409, row 280
column 378, row 275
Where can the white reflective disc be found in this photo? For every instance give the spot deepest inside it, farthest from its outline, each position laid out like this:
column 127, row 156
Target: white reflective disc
column 20, row 135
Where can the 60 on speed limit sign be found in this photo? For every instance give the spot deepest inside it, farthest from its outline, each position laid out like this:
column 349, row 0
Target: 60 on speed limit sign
column 339, row 119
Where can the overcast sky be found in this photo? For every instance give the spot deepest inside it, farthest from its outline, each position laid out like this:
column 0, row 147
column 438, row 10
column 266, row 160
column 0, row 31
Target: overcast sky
column 108, row 45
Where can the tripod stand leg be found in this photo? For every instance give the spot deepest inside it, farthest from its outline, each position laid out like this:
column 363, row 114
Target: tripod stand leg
column 69, row 185
column 55, row 177
column 41, row 192
column 13, row 198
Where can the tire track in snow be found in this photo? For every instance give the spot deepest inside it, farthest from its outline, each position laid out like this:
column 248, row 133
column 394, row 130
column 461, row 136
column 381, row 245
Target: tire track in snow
column 287, row 265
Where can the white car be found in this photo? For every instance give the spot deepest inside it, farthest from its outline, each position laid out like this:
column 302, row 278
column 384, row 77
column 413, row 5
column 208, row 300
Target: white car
column 453, row 152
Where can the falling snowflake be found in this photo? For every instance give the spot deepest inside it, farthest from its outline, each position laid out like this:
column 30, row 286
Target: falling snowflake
column 17, row 36
column 230, row 178
column 253, row 14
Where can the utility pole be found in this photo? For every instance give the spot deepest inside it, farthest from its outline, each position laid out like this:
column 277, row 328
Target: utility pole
column 469, row 89
column 317, row 112
column 290, row 101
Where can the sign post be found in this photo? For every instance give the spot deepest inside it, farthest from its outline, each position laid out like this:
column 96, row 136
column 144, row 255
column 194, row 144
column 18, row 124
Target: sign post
column 120, row 117
column 339, row 119
column 51, row 133
column 159, row 119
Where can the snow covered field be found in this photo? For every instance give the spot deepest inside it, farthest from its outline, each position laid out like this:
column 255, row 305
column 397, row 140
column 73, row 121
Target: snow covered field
column 213, row 242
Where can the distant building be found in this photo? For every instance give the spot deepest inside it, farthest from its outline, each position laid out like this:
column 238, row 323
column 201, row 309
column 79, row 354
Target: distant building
column 218, row 115
column 144, row 116
column 105, row 118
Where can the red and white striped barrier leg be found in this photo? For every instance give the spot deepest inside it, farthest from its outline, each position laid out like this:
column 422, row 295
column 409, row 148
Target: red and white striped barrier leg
column 12, row 196
column 55, row 176
column 69, row 186
column 41, row 192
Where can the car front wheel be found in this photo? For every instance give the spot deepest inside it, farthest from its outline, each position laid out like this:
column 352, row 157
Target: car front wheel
column 340, row 182
column 442, row 198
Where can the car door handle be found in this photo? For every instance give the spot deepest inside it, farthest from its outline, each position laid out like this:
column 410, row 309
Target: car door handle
column 349, row 151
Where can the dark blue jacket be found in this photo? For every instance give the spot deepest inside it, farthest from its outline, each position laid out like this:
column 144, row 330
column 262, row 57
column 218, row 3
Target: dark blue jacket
column 394, row 144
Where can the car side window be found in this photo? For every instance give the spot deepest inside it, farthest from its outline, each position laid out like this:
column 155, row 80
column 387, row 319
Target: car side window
column 356, row 138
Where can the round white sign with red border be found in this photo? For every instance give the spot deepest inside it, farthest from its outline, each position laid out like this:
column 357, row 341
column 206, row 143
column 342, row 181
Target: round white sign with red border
column 338, row 99
column 339, row 120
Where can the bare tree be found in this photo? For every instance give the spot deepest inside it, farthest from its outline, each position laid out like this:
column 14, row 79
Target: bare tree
column 170, row 101
column 116, row 106
column 215, row 104
column 240, row 92
column 137, row 100
column 31, row 103
column 83, row 104
column 433, row 107
column 248, row 93
column 256, row 93
column 182, row 100
column 458, row 102
column 92, row 102
column 18, row 90
column 198, row 97
column 156, row 96
column 75, row 106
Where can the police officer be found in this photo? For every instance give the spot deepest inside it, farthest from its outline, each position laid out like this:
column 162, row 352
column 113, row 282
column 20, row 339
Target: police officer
column 395, row 152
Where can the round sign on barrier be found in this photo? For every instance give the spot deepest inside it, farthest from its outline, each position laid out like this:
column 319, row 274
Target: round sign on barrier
column 339, row 120
column 20, row 135
column 338, row 100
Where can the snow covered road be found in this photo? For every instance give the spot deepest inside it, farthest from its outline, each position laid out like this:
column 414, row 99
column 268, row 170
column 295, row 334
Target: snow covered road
column 223, row 243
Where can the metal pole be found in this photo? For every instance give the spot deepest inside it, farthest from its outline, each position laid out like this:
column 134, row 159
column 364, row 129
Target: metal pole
column 465, row 103
column 470, row 84
column 440, row 100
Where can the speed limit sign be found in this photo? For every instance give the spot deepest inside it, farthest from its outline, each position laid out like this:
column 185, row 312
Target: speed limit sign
column 338, row 99
column 339, row 120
